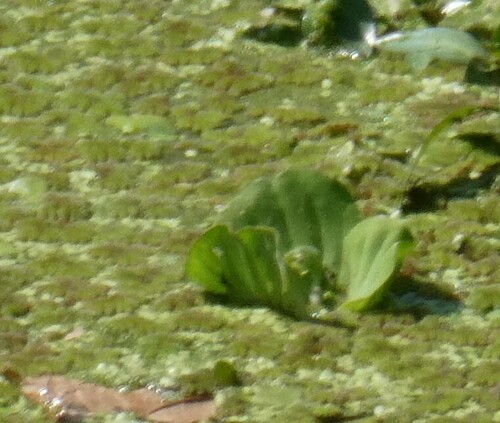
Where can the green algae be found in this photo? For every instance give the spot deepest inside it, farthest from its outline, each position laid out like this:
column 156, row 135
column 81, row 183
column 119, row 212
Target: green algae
column 60, row 264
column 318, row 24
column 17, row 101
column 64, row 207
column 486, row 298
column 38, row 229
column 102, row 245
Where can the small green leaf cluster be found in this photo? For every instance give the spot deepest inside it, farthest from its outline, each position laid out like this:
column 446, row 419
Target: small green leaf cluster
column 291, row 241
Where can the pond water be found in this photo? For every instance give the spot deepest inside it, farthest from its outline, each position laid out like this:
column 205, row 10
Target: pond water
column 127, row 125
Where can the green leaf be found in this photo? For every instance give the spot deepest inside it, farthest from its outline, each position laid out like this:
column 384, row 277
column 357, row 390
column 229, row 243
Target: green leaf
column 304, row 206
column 265, row 273
column 304, row 274
column 373, row 252
column 205, row 261
column 285, row 235
column 245, row 268
column 457, row 115
column 242, row 266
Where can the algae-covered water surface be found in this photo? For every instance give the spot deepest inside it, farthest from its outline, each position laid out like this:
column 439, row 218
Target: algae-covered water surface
column 126, row 126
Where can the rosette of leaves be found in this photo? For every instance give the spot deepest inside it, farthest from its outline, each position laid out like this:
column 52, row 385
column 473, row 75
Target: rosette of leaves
column 288, row 241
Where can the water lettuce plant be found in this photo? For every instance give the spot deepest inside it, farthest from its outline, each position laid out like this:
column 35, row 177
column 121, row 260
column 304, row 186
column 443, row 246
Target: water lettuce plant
column 425, row 45
column 289, row 241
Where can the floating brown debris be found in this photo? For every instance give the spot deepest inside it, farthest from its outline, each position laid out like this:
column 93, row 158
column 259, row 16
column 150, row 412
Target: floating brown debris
column 73, row 400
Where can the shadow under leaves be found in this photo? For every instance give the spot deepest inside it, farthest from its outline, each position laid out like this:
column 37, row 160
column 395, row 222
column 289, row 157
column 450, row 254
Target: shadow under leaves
column 409, row 296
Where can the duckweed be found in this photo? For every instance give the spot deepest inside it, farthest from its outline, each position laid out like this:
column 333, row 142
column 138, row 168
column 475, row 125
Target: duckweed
column 119, row 206
column 13, row 36
column 311, row 348
column 102, row 245
column 46, row 314
column 256, row 341
column 179, row 172
column 129, row 327
column 114, row 303
column 82, row 125
column 60, row 264
column 199, row 320
column 198, row 383
column 18, row 336
column 63, row 207
column 234, row 79
column 70, row 290
column 444, row 400
column 231, row 402
column 158, row 344
column 117, row 176
column 296, row 115
column 8, row 393
column 148, row 277
column 183, row 298
column 21, row 102
column 112, row 231
column 83, row 100
column 124, row 254
column 486, row 298
column 96, row 151
column 160, row 207
column 14, row 306
column 36, row 229
column 151, row 104
column 486, row 373
column 57, row 179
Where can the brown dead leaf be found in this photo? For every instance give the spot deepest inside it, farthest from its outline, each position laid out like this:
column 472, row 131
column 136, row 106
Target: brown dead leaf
column 74, row 400
column 185, row 412
column 145, row 401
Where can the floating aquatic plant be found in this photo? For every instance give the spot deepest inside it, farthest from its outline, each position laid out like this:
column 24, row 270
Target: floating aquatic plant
column 117, row 176
column 22, row 102
column 373, row 250
column 13, row 35
column 154, row 104
column 288, row 241
column 63, row 207
column 425, row 45
column 120, row 206
column 42, row 230
column 154, row 126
